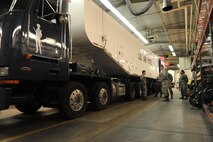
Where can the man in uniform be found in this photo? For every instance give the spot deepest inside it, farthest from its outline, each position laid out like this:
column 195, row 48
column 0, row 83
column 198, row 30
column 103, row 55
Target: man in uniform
column 165, row 82
column 143, row 86
column 183, row 85
column 158, row 85
column 170, row 85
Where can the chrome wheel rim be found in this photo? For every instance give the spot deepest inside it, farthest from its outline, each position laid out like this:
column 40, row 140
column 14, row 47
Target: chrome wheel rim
column 76, row 100
column 103, row 96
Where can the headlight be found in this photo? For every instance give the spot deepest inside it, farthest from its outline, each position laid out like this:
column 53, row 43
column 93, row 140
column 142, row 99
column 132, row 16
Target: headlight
column 4, row 71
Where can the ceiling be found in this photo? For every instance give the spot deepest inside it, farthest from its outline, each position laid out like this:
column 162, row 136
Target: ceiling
column 161, row 28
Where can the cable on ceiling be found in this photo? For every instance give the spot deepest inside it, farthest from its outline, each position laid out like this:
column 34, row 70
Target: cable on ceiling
column 139, row 12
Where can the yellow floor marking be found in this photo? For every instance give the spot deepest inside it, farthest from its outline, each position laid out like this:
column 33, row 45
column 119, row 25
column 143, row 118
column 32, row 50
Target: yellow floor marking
column 34, row 131
column 122, row 116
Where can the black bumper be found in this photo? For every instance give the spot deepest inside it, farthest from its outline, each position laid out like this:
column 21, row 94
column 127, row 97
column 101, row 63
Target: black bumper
column 4, row 98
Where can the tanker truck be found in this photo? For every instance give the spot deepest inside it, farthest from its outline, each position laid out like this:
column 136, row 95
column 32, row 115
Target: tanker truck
column 67, row 55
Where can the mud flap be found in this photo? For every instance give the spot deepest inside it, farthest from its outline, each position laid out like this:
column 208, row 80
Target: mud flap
column 4, row 98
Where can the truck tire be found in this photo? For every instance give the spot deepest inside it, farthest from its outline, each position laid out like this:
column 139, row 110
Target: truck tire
column 73, row 100
column 28, row 108
column 100, row 96
column 130, row 92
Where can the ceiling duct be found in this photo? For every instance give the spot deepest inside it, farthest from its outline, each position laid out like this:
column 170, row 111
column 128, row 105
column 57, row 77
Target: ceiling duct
column 152, row 38
column 140, row 12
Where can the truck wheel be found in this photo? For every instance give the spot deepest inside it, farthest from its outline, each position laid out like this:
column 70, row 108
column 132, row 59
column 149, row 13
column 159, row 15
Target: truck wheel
column 100, row 96
column 73, row 100
column 28, row 108
column 130, row 92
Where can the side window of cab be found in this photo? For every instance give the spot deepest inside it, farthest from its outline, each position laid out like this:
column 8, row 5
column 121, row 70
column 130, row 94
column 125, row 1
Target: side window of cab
column 47, row 10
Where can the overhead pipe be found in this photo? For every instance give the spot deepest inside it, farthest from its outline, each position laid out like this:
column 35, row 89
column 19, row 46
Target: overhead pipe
column 186, row 28
column 190, row 26
column 186, row 20
column 140, row 12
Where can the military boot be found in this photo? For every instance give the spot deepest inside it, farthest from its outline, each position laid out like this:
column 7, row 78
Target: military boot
column 165, row 99
column 182, row 97
column 186, row 98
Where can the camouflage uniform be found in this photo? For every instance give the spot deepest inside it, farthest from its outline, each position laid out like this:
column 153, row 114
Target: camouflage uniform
column 159, row 85
column 170, row 85
column 183, row 85
column 165, row 86
column 143, row 86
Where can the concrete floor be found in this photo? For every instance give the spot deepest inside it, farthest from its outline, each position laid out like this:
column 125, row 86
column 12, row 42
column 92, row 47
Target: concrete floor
column 136, row 121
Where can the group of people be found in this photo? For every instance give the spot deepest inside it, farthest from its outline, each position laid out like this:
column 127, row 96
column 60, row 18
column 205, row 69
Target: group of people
column 164, row 85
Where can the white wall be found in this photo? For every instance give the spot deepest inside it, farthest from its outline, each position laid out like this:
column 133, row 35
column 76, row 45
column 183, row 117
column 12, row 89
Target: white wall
column 185, row 63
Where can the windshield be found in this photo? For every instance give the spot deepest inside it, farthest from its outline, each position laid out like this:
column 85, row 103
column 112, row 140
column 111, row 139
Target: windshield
column 19, row 5
column 5, row 6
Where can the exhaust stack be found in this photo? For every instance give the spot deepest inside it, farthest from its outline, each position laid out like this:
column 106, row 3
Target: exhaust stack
column 64, row 6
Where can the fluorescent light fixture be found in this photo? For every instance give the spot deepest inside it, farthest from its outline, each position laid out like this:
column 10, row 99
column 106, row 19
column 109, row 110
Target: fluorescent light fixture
column 173, row 53
column 171, row 48
column 124, row 20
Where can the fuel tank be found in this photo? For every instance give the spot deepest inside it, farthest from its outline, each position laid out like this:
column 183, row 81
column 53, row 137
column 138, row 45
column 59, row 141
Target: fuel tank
column 100, row 41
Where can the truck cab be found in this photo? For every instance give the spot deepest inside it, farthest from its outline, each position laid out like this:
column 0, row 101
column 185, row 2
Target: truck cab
column 34, row 49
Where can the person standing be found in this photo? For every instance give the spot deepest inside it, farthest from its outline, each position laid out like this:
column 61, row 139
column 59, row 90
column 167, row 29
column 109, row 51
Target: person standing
column 158, row 85
column 143, row 85
column 165, row 82
column 170, row 85
column 183, row 85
